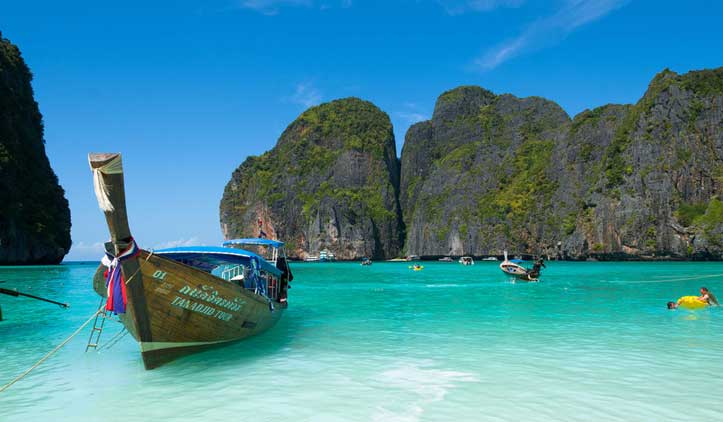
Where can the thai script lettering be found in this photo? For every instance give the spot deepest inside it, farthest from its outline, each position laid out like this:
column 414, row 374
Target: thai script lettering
column 208, row 294
column 201, row 308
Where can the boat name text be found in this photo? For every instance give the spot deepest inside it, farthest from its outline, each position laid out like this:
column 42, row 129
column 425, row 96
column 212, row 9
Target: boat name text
column 210, row 295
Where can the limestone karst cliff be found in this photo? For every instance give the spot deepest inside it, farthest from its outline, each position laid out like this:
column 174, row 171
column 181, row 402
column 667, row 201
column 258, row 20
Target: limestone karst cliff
column 492, row 172
column 329, row 183
column 34, row 214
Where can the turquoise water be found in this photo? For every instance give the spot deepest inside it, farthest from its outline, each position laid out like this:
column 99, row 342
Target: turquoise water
column 383, row 343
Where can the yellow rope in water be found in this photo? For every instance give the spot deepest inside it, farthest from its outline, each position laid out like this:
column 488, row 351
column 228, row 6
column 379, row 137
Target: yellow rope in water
column 51, row 353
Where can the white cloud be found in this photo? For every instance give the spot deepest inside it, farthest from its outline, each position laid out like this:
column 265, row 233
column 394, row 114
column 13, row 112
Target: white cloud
column 306, row 94
column 191, row 241
column 412, row 113
column 87, row 248
column 457, row 7
column 411, row 117
column 549, row 30
column 273, row 7
column 84, row 251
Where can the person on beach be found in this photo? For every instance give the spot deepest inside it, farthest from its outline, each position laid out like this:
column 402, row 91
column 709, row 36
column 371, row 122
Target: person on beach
column 708, row 297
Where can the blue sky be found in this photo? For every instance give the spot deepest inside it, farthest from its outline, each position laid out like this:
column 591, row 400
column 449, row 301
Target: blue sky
column 186, row 90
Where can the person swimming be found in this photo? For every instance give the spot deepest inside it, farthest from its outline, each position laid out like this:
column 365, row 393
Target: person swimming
column 708, row 297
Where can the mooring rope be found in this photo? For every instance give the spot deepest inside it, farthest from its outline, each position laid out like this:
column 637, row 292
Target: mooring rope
column 51, row 353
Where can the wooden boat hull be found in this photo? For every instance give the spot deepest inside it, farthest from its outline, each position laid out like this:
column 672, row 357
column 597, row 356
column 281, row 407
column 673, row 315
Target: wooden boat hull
column 173, row 310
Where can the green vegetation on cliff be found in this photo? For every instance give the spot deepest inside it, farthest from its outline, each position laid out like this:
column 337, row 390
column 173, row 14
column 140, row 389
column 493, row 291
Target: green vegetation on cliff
column 492, row 172
column 34, row 214
column 330, row 182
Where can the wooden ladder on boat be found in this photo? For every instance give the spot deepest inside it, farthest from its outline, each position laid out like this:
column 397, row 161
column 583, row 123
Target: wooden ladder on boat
column 98, row 325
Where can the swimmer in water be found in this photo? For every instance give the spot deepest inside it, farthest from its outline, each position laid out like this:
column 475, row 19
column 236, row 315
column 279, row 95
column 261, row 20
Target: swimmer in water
column 708, row 297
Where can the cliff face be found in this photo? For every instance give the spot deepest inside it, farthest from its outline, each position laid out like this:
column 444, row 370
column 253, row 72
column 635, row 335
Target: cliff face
column 331, row 182
column 658, row 183
column 484, row 183
column 493, row 172
column 34, row 214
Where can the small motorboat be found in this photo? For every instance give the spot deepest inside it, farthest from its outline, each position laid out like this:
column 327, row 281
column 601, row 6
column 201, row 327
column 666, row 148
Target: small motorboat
column 365, row 262
column 490, row 258
column 466, row 260
column 446, row 259
column 326, row 256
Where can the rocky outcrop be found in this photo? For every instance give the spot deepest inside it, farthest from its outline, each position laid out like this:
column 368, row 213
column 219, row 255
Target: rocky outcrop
column 658, row 181
column 492, row 172
column 483, row 184
column 34, row 214
column 331, row 182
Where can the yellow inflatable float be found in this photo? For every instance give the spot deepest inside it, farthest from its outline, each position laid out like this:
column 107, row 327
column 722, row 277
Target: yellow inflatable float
column 691, row 302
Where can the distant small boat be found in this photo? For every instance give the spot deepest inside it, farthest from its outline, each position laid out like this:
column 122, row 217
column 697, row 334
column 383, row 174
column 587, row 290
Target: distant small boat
column 413, row 258
column 490, row 258
column 311, row 258
column 397, row 260
column 366, row 262
column 181, row 300
column 466, row 260
column 446, row 259
column 514, row 268
column 326, row 256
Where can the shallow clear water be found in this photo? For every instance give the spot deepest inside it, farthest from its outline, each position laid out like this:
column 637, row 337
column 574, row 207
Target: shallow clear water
column 593, row 341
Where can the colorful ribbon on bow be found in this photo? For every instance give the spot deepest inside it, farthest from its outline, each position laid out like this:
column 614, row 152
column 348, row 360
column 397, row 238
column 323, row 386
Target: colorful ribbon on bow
column 114, row 282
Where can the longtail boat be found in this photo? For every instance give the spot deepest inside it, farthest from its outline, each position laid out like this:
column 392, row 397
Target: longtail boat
column 182, row 300
column 514, row 268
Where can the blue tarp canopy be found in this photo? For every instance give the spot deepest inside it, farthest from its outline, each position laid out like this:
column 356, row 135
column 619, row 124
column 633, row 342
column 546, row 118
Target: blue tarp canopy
column 207, row 258
column 254, row 241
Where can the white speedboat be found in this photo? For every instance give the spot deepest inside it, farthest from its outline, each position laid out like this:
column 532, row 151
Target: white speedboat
column 326, row 256
column 466, row 260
